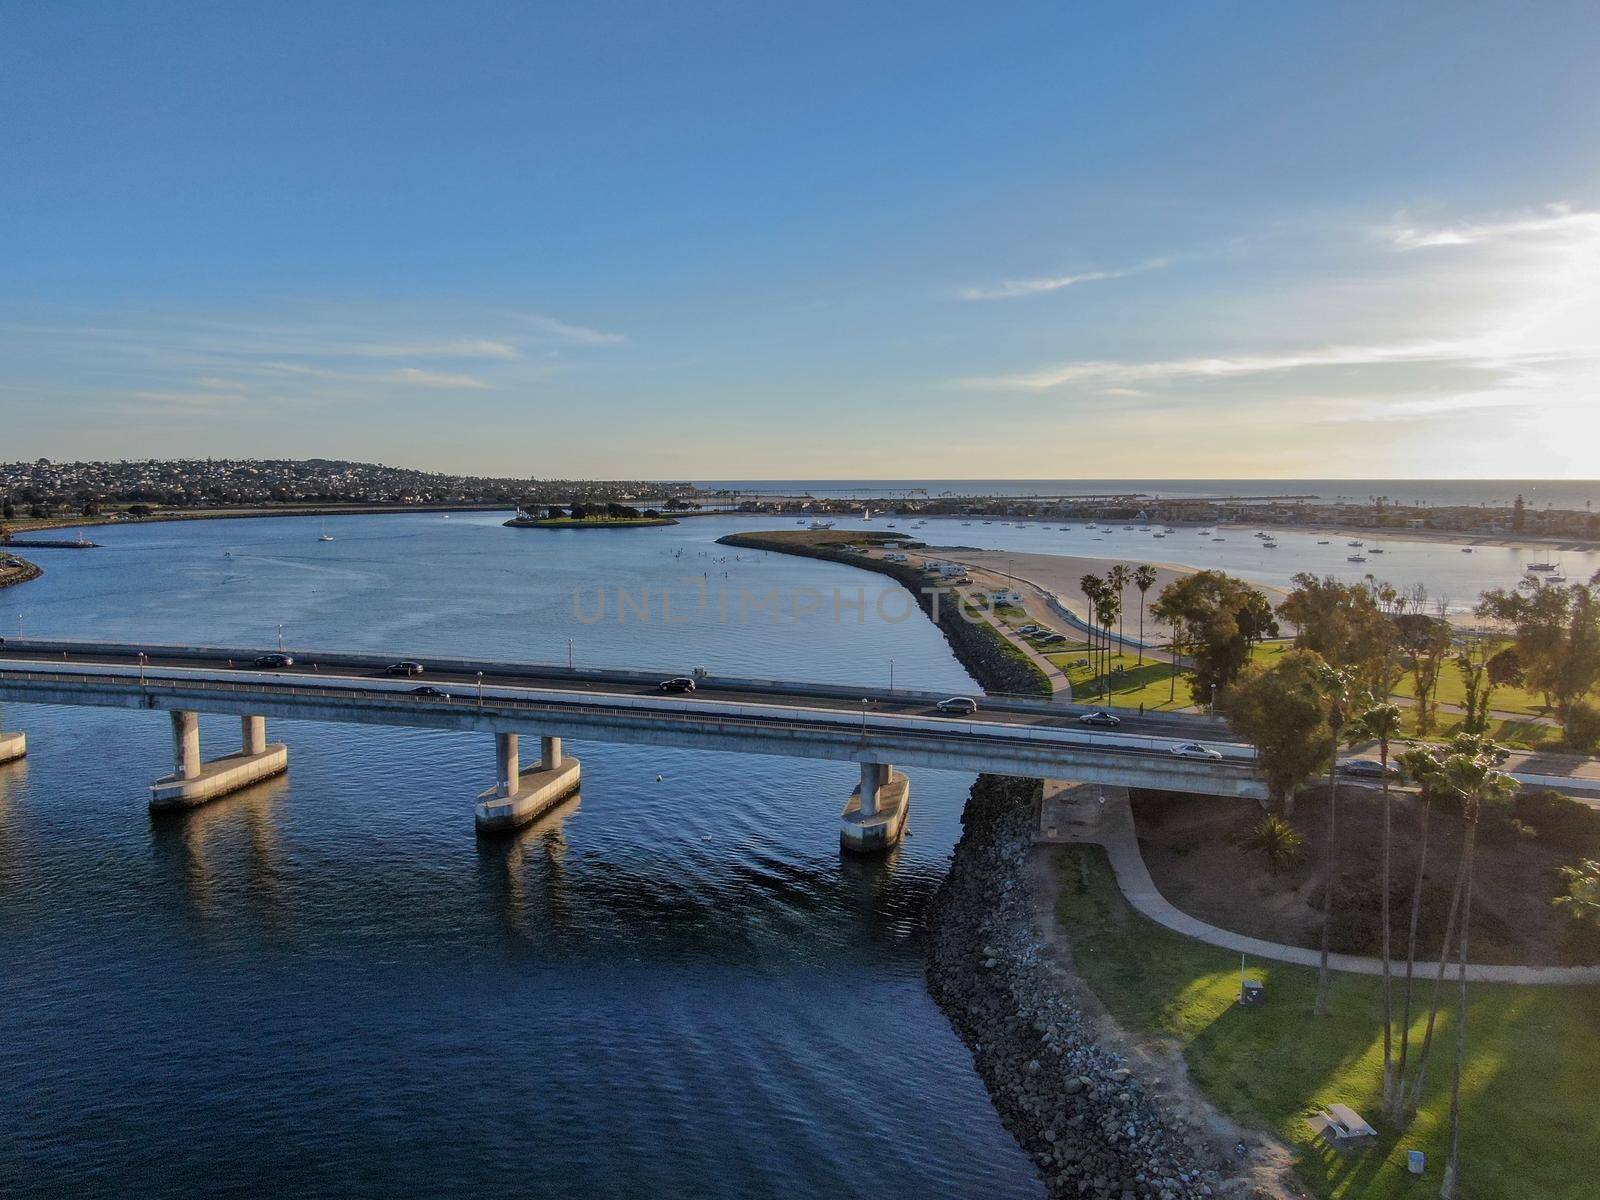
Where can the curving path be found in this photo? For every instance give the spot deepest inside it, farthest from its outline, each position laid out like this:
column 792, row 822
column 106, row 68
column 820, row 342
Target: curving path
column 1087, row 814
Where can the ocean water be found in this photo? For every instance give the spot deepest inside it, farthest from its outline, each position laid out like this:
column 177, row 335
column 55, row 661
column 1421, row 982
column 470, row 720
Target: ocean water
column 327, row 985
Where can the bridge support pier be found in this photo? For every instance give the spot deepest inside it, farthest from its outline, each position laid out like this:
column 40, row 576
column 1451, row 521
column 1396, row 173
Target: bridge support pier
column 194, row 782
column 874, row 817
column 519, row 796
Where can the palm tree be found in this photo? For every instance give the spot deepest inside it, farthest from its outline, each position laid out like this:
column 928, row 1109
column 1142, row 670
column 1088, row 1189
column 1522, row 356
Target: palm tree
column 1479, row 781
column 1144, row 578
column 1093, row 587
column 1334, row 685
column 1110, row 610
column 1118, row 578
column 1382, row 721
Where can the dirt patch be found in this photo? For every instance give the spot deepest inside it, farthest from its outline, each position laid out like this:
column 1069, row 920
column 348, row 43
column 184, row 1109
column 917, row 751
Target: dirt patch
column 1191, row 846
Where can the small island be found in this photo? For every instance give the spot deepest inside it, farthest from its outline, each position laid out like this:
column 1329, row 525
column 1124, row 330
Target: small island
column 582, row 516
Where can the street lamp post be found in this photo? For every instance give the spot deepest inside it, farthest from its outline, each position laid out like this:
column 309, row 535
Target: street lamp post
column 1213, row 700
column 864, row 716
column 280, row 638
column 569, row 654
column 480, row 689
column 141, row 668
column 891, row 674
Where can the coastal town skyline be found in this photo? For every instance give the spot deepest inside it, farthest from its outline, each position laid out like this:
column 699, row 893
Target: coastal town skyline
column 1251, row 242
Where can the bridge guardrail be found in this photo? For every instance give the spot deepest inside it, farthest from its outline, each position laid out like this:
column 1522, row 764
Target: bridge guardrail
column 1193, row 726
column 580, row 703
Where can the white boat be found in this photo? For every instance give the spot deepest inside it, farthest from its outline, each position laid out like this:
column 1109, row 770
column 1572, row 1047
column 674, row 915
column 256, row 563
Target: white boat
column 1376, row 550
column 1323, row 542
column 1161, row 535
column 1219, row 539
column 822, row 524
column 1558, row 577
column 325, row 536
column 866, row 514
column 1540, row 566
column 1356, row 558
column 1261, row 533
column 964, row 524
column 1466, row 549
column 1357, row 543
column 1269, row 544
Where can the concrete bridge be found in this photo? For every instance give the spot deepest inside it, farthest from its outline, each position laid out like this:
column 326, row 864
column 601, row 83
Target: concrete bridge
column 874, row 728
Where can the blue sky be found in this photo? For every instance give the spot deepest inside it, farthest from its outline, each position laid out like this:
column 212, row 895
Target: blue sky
column 747, row 240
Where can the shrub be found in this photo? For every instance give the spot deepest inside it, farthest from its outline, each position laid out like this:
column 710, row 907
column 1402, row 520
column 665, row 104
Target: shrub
column 1559, row 820
column 1581, row 728
column 1280, row 843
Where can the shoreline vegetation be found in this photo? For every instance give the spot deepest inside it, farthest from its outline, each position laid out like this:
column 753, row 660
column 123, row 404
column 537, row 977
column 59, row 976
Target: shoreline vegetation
column 599, row 522
column 988, row 657
column 15, row 570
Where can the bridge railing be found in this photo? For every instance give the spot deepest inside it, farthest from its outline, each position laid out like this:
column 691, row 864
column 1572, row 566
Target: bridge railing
column 1191, row 725
column 721, row 714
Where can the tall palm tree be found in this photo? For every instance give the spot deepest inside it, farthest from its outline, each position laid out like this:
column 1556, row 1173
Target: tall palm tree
column 1479, row 781
column 1382, row 721
column 1334, row 685
column 1093, row 587
column 1110, row 610
column 1144, row 578
column 1118, row 579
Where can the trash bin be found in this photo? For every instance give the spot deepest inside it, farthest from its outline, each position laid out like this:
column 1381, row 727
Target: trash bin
column 1252, row 993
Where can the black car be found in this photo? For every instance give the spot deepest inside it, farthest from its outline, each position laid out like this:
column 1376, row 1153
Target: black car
column 678, row 683
column 404, row 667
column 1367, row 768
column 430, row 692
column 272, row 661
column 1100, row 717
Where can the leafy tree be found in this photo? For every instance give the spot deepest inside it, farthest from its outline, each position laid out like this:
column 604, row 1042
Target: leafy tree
column 1556, row 634
column 1279, row 710
column 1346, row 625
column 1424, row 643
column 1144, row 578
column 1215, row 618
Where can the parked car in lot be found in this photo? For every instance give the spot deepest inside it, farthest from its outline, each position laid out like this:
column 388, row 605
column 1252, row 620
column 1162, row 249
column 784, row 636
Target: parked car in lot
column 1030, row 630
column 678, row 683
column 269, row 661
column 965, row 705
column 1367, row 768
column 1196, row 750
column 429, row 692
column 1052, row 639
column 1100, row 717
column 404, row 667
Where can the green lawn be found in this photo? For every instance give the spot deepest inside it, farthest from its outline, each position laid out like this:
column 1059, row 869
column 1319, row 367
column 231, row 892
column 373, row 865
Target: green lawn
column 1148, row 684
column 1531, row 1129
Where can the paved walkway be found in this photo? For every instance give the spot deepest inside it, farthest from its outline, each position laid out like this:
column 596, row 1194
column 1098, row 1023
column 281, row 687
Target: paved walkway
column 1083, row 813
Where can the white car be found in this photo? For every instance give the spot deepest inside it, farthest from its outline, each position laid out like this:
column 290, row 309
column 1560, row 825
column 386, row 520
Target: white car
column 965, row 705
column 1196, row 750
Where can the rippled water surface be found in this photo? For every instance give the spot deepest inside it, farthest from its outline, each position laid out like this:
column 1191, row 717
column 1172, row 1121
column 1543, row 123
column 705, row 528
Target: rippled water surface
column 328, row 985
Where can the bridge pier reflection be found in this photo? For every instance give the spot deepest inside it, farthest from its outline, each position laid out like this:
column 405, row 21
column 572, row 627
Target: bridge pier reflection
column 13, row 745
column 519, row 796
column 194, row 781
column 874, row 817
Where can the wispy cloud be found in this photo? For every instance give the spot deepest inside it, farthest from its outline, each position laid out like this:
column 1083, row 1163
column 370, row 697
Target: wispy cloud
column 577, row 334
column 416, row 377
column 1122, row 374
column 1010, row 289
column 1558, row 221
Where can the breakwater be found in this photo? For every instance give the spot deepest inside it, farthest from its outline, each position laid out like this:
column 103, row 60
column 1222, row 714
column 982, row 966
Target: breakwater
column 992, row 661
column 1073, row 1105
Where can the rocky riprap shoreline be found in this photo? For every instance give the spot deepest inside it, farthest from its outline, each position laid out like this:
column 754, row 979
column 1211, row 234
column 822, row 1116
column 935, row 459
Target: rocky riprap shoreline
column 1090, row 1126
column 15, row 570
